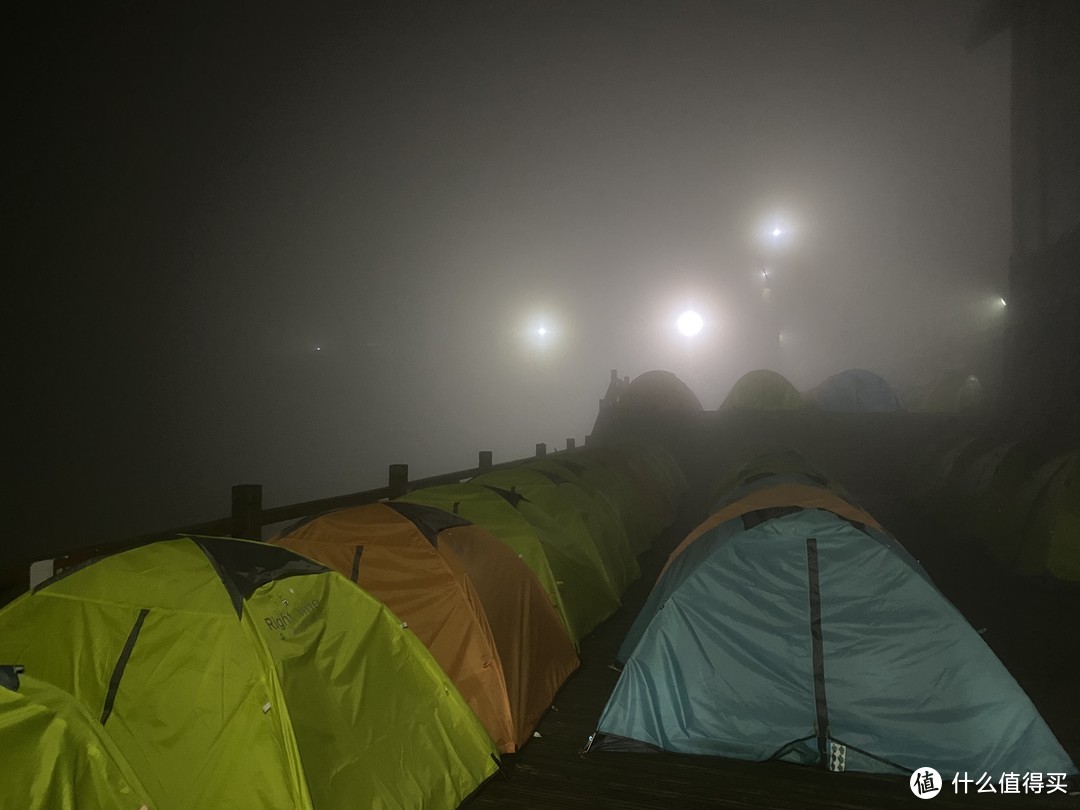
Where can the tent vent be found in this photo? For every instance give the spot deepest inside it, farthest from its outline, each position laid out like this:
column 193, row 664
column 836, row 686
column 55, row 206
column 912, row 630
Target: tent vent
column 266, row 707
column 356, row 564
column 121, row 664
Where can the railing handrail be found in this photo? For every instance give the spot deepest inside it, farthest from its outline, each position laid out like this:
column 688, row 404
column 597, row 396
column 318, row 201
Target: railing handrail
column 249, row 517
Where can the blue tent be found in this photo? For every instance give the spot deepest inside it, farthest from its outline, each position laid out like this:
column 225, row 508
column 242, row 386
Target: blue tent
column 855, row 391
column 795, row 634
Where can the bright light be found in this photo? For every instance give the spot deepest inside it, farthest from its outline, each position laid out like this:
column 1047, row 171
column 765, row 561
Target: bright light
column 689, row 323
column 542, row 331
column 776, row 231
column 1002, row 300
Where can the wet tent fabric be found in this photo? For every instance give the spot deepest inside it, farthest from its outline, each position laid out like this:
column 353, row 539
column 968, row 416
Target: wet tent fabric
column 621, row 487
column 661, row 461
column 556, row 493
column 57, row 756
column 567, row 570
column 238, row 674
column 604, row 508
column 770, row 495
column 650, row 505
column 537, row 654
column 855, row 390
column 766, row 497
column 404, row 555
column 728, row 664
column 762, row 390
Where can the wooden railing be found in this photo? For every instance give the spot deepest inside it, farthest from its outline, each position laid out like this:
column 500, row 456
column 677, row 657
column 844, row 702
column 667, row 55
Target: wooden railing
column 248, row 517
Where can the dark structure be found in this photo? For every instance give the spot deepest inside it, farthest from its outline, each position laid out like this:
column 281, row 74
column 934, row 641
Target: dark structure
column 1041, row 390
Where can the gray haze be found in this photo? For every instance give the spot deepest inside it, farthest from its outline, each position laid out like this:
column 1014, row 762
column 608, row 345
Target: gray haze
column 291, row 245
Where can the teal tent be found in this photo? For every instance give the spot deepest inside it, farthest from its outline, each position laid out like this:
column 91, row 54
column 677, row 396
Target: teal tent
column 794, row 634
column 855, row 391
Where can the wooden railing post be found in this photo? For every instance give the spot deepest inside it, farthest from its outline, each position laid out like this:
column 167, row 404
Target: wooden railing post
column 571, row 444
column 399, row 480
column 247, row 511
column 541, row 449
column 485, row 462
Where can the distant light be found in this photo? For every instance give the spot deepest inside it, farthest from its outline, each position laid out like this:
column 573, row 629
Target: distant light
column 541, row 331
column 318, row 348
column 776, row 231
column 1002, row 300
column 689, row 323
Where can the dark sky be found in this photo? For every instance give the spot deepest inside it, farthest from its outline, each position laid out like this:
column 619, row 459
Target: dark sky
column 290, row 244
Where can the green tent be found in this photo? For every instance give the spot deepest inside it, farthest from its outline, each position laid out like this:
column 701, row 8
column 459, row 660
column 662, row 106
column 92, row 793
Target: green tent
column 647, row 502
column 557, row 494
column 604, row 502
column 774, row 467
column 56, row 755
column 999, row 519
column 794, row 634
column 568, row 569
column 238, row 674
column 763, row 390
column 617, row 483
column 1046, row 520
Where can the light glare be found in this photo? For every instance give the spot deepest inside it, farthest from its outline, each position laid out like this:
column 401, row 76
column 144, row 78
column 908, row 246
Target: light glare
column 689, row 323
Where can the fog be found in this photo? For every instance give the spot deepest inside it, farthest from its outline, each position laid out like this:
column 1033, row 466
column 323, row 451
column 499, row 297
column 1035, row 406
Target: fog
column 290, row 245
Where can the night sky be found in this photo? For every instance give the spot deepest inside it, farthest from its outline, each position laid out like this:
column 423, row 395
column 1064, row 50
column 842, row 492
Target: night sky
column 289, row 244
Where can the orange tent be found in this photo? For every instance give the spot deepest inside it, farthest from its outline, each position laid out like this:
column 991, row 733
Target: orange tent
column 468, row 597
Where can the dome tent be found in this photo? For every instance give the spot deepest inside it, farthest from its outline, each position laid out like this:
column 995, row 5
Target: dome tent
column 768, row 469
column 762, row 390
column 56, row 755
column 834, row 648
column 236, row 674
column 855, row 390
column 569, row 571
column 1044, row 521
column 556, row 493
column 658, row 391
column 497, row 637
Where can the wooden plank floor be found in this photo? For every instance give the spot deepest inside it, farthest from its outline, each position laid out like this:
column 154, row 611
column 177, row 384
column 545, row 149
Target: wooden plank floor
column 1031, row 629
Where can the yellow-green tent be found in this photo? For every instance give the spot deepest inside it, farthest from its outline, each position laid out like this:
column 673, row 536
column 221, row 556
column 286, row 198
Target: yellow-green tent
column 555, row 492
column 237, row 674
column 763, row 390
column 56, row 755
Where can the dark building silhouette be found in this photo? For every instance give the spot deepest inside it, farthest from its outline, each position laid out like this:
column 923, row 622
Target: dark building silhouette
column 1041, row 370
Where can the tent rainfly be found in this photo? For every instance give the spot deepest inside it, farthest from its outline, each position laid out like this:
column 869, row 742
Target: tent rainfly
column 809, row 635
column 237, row 674
column 468, row 597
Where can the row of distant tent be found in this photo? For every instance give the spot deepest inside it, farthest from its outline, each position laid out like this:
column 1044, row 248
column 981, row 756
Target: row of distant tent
column 852, row 391
column 791, row 626
column 416, row 641
column 1022, row 508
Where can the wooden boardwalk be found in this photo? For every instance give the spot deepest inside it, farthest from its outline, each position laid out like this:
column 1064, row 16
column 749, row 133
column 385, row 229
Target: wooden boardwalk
column 1031, row 629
